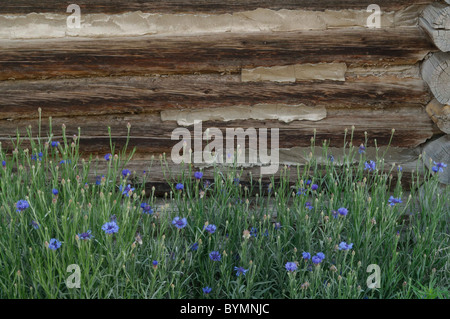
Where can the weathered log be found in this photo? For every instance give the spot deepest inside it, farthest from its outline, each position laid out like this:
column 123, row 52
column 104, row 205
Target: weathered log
column 435, row 20
column 440, row 114
column 437, row 15
column 198, row 6
column 227, row 53
column 436, row 72
column 438, row 151
column 151, row 135
column 115, row 95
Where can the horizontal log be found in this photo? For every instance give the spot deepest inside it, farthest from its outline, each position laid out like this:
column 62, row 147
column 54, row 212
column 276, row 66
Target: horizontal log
column 218, row 53
column 200, row 6
column 151, row 135
column 115, row 95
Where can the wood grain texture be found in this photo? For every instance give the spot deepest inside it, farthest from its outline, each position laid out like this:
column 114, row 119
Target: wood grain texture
column 190, row 6
column 209, row 53
column 436, row 73
column 136, row 95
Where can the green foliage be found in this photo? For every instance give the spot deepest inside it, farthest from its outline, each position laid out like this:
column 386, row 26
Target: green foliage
column 408, row 241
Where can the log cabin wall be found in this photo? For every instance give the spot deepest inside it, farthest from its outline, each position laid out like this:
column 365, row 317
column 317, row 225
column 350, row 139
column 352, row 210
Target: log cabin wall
column 297, row 65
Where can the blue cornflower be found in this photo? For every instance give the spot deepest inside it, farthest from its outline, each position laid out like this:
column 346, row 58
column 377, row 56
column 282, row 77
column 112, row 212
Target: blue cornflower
column 155, row 263
column 110, row 227
column 214, row 256
column 316, row 260
column 236, row 180
column 439, row 167
column 126, row 172
column 198, row 175
column 331, row 158
column 308, row 205
column 206, row 184
column 321, row 255
column 86, row 235
column 21, row 205
column 35, row 224
column 126, row 189
column 146, row 209
column 392, row 201
column 3, row 163
column 240, row 270
column 108, row 157
column 39, row 155
column 291, row 266
column 308, row 182
column 206, row 290
column 277, row 226
column 210, row 228
column 302, row 191
column 194, row 246
column 370, row 165
column 98, row 179
column 55, row 144
column 314, row 187
column 334, row 213
column 64, row 162
column 54, row 244
column 306, row 255
column 399, row 168
column 361, row 149
column 179, row 222
column 253, row 232
column 55, row 191
column 179, row 186
column 343, row 211
column 344, row 246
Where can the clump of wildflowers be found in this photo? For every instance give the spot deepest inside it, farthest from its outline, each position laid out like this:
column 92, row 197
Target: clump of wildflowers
column 206, row 290
column 110, row 227
column 318, row 258
column 342, row 211
column 344, row 246
column 211, row 228
column 370, row 165
column 240, row 270
column 179, row 222
column 439, row 167
column 21, row 205
column 126, row 172
column 126, row 190
column 85, row 236
column 392, row 200
column 54, row 244
column 198, row 175
column 361, row 149
column 215, row 256
column 291, row 266
column 146, row 208
column 35, row 224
